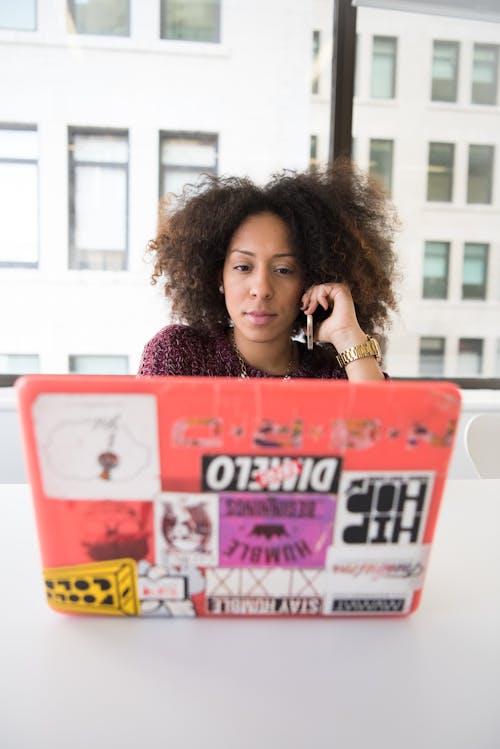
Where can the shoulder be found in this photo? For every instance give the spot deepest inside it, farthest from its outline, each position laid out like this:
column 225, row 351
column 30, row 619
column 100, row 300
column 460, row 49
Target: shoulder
column 174, row 350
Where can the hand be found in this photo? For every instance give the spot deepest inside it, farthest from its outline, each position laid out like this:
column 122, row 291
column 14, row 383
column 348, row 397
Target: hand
column 341, row 327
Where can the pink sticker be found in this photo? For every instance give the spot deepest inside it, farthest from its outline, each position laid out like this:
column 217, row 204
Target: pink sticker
column 265, row 530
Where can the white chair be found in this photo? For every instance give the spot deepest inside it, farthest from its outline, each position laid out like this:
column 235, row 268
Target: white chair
column 482, row 442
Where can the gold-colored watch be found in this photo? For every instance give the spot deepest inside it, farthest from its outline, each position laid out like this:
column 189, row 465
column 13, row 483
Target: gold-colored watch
column 370, row 347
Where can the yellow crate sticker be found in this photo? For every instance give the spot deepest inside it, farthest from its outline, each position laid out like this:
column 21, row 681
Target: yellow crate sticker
column 100, row 588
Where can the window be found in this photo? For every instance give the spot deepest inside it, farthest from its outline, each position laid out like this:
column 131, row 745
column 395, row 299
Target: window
column 381, row 161
column 18, row 14
column 480, row 182
column 18, row 364
column 184, row 157
column 197, row 20
column 431, row 360
column 109, row 17
column 436, row 262
column 475, row 272
column 485, row 74
column 444, row 71
column 98, row 364
column 440, row 172
column 384, row 67
column 315, row 56
column 313, row 152
column 18, row 195
column 470, row 357
column 98, row 210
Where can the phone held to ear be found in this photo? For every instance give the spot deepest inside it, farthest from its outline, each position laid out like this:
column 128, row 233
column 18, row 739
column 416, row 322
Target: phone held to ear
column 320, row 314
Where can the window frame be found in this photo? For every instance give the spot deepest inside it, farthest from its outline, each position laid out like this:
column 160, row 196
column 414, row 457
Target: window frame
column 211, row 138
column 72, row 250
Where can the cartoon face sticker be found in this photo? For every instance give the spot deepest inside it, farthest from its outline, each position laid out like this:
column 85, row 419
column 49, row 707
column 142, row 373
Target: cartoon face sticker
column 186, row 528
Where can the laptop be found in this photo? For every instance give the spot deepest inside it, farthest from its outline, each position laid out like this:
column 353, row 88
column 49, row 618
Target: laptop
column 217, row 497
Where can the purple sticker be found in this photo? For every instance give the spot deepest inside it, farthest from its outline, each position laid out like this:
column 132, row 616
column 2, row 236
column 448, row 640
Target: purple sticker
column 283, row 530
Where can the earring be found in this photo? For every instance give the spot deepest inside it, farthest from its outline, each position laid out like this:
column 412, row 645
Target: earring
column 221, row 289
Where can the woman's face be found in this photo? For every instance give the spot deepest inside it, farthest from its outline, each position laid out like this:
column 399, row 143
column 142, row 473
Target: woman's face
column 262, row 280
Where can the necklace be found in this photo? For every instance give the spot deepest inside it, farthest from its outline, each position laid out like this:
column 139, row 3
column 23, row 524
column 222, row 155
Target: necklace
column 243, row 364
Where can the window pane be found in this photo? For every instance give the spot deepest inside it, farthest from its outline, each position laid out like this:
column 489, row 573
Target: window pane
column 383, row 67
column 98, row 364
column 470, row 357
column 184, row 159
column 110, row 17
column 436, row 261
column 19, row 143
column 440, row 172
column 315, row 56
column 18, row 196
column 100, row 208
column 431, row 359
column 381, row 161
column 197, row 20
column 98, row 200
column 475, row 271
column 479, row 186
column 485, row 74
column 18, row 14
column 19, row 364
column 444, row 71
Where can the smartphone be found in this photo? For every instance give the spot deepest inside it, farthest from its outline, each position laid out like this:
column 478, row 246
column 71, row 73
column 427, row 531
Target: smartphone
column 320, row 314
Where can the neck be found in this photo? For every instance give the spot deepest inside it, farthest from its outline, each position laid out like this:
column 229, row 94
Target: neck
column 273, row 357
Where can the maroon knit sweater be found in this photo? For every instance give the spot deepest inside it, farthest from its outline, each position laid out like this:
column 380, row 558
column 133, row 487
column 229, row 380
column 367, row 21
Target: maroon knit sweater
column 182, row 350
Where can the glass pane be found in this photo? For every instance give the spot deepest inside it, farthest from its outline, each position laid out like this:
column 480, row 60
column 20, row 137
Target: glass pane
column 485, row 74
column 475, row 271
column 98, row 364
column 174, row 181
column 440, row 173
column 444, row 71
column 196, row 20
column 110, row 17
column 18, row 212
column 381, row 162
column 436, row 270
column 383, row 67
column 18, row 143
column 100, row 208
column 431, row 361
column 470, row 355
column 105, row 149
column 18, row 14
column 19, row 364
column 188, row 152
column 479, row 186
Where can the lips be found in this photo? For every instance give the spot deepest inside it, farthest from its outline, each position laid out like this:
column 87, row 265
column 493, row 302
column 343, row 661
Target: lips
column 259, row 318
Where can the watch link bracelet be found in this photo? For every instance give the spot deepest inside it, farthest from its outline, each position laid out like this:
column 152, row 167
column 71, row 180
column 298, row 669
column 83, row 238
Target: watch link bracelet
column 370, row 347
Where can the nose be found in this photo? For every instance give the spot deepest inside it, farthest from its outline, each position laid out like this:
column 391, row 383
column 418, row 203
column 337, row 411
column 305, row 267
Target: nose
column 261, row 287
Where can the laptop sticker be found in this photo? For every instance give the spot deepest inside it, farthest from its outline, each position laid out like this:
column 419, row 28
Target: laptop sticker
column 187, row 530
column 382, row 508
column 162, row 594
column 264, row 530
column 103, row 588
column 371, row 572
column 261, row 592
column 102, row 446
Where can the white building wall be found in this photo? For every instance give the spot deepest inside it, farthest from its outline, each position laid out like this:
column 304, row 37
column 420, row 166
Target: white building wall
column 253, row 89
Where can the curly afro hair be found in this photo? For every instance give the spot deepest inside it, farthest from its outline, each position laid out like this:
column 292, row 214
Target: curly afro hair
column 340, row 222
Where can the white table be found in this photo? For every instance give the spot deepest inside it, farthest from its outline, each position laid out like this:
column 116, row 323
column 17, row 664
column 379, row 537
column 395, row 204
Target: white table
column 430, row 680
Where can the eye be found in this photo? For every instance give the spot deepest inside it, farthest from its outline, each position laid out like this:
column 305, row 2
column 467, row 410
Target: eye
column 284, row 271
column 242, row 267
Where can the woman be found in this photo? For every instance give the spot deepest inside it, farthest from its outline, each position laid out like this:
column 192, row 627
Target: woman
column 245, row 265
